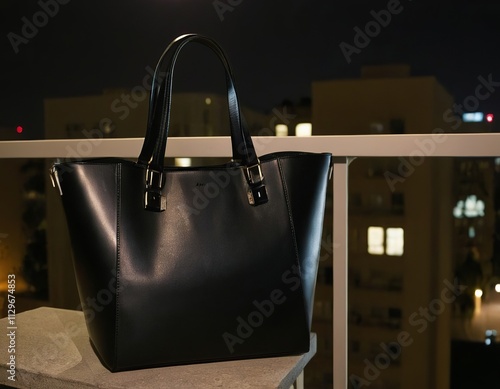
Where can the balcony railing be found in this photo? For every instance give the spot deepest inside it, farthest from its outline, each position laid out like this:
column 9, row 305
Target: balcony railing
column 344, row 149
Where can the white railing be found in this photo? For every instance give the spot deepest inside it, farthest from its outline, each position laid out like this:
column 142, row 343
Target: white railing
column 344, row 148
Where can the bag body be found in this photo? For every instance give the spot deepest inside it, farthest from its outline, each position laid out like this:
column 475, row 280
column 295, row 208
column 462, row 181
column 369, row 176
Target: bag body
column 180, row 265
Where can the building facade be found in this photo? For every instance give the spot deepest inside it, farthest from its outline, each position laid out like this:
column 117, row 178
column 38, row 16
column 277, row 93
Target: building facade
column 400, row 234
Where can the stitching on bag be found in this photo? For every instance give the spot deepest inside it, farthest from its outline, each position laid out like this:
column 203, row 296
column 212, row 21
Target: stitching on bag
column 292, row 227
column 290, row 217
column 118, row 181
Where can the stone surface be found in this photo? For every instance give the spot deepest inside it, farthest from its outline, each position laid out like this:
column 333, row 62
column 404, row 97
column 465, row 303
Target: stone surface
column 53, row 351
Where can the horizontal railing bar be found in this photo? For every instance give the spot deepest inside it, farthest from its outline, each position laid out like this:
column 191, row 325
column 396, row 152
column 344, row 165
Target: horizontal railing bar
column 431, row 145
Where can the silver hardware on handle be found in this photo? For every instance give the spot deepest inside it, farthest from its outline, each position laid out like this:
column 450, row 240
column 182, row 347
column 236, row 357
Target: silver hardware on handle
column 153, row 199
column 250, row 176
column 54, row 178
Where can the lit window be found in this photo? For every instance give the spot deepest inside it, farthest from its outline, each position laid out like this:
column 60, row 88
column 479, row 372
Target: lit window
column 394, row 241
column 490, row 337
column 473, row 117
column 471, row 207
column 389, row 242
column 376, row 240
column 458, row 210
column 303, row 129
column 281, row 130
column 183, row 162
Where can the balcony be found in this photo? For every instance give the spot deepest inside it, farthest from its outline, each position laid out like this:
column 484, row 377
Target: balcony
column 344, row 148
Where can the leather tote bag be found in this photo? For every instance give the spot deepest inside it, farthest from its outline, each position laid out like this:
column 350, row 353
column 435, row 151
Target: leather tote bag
column 178, row 283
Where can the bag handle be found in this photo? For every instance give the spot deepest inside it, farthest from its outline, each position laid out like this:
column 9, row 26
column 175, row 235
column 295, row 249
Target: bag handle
column 157, row 101
column 154, row 146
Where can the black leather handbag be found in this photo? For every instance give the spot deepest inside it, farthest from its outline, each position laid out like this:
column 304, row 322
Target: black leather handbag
column 177, row 283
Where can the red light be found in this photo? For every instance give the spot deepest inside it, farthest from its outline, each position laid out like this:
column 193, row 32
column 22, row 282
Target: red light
column 489, row 117
column 19, row 129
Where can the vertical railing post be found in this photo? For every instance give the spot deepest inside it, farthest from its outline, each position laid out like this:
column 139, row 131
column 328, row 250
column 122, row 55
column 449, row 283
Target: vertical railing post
column 340, row 231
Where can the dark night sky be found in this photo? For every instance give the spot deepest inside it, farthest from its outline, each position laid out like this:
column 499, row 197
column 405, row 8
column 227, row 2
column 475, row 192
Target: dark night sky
column 277, row 48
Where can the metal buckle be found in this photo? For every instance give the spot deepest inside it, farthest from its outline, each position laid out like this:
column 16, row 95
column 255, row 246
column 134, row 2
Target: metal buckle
column 153, row 199
column 259, row 172
column 257, row 193
column 154, row 179
column 54, row 178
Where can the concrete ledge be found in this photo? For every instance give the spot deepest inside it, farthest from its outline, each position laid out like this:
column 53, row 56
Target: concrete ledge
column 53, row 351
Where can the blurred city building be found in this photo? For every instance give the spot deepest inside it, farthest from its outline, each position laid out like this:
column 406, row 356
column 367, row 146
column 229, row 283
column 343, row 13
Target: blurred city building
column 404, row 242
column 415, row 224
